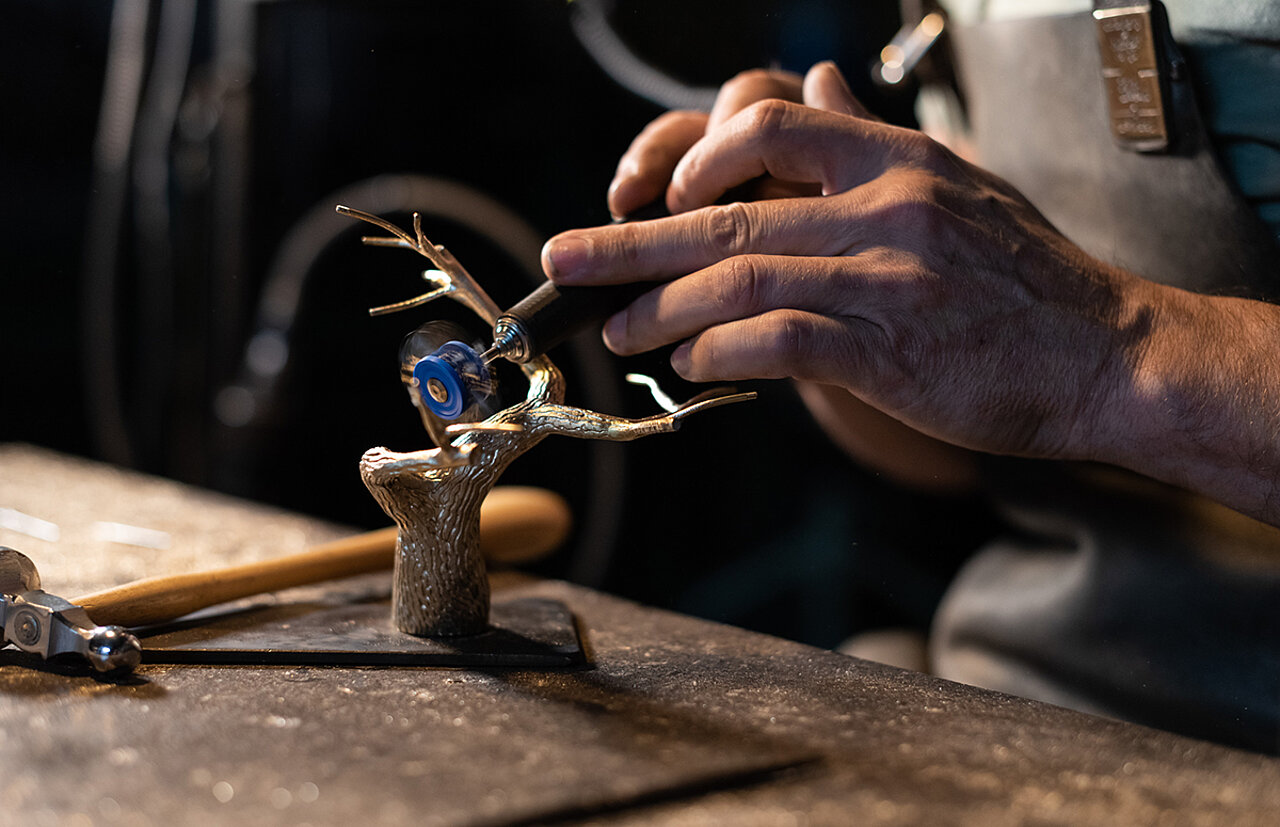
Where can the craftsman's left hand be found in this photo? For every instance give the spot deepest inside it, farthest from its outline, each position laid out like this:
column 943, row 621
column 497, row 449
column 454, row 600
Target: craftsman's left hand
column 924, row 285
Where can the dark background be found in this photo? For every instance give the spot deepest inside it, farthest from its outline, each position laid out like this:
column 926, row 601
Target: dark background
column 134, row 326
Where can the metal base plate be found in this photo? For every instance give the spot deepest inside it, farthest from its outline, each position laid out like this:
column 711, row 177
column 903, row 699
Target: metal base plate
column 351, row 626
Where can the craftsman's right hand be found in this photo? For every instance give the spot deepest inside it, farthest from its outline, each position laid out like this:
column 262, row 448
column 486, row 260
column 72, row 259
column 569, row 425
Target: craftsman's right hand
column 644, row 175
column 933, row 291
column 920, row 283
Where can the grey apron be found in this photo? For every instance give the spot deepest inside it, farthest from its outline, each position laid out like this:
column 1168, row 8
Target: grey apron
column 1114, row 594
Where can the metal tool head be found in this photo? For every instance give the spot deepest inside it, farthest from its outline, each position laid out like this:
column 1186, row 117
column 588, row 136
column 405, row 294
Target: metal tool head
column 47, row 625
column 113, row 649
column 17, row 573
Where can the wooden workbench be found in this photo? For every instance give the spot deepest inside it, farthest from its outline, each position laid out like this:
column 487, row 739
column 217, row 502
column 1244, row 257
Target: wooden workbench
column 675, row 721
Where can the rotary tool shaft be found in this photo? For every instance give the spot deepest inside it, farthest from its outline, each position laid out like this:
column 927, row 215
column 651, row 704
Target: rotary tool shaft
column 554, row 312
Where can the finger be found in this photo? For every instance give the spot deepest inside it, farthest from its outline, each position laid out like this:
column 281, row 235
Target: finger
column 740, row 92
column 645, row 168
column 748, row 87
column 737, row 288
column 788, row 141
column 780, row 344
column 826, row 88
column 664, row 248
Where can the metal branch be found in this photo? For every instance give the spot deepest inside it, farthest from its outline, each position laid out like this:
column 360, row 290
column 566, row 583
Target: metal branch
column 417, row 230
column 377, row 241
column 459, row 283
column 577, row 422
column 416, row 301
column 710, row 399
column 377, row 222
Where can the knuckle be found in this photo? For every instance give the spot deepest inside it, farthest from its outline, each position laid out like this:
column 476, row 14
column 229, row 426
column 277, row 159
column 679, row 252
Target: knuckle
column 670, row 129
column 764, row 119
column 913, row 205
column 676, row 117
column 741, row 286
column 789, row 340
column 727, row 229
column 753, row 81
column 919, row 148
column 675, row 121
column 918, row 217
column 753, row 75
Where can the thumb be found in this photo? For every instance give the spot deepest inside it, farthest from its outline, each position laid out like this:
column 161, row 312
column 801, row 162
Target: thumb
column 825, row 88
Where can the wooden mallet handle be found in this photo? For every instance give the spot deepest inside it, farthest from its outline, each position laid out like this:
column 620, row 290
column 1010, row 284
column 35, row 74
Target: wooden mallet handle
column 516, row 523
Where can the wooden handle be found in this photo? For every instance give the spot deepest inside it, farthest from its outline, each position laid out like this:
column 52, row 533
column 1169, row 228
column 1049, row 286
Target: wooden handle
column 516, row 523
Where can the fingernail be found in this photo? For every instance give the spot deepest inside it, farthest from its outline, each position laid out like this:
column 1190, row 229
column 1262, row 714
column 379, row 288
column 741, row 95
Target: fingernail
column 680, row 359
column 833, row 69
column 613, row 194
column 620, row 198
column 567, row 257
column 613, row 330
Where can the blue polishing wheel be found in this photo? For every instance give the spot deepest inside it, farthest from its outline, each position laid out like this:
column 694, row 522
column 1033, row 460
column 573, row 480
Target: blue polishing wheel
column 452, row 379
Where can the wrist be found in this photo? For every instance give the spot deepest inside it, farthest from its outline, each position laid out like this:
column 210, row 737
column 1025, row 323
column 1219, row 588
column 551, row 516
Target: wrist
column 1105, row 418
column 1191, row 401
column 1124, row 400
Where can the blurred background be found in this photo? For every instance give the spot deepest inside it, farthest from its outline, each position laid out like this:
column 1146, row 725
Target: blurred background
column 179, row 297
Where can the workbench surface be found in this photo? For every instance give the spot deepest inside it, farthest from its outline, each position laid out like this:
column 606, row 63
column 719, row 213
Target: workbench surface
column 675, row 721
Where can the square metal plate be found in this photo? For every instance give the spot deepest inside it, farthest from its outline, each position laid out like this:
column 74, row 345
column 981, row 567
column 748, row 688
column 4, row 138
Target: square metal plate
column 350, row 625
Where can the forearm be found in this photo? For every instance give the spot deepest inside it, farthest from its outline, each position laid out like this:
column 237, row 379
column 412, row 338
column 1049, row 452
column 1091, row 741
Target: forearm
column 1197, row 401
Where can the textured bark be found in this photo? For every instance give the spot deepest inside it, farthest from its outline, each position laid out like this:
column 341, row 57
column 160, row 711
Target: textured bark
column 439, row 585
column 441, row 588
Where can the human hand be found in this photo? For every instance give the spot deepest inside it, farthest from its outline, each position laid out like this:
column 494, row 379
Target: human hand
column 873, row 438
column 925, row 286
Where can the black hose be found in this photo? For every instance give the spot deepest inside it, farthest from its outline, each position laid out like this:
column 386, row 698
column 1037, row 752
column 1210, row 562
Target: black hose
column 122, row 87
column 590, row 23
column 153, row 215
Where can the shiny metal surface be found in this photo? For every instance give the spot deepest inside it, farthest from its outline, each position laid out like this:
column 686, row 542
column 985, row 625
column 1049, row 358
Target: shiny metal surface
column 510, row 341
column 1131, row 75
column 49, row 626
column 434, row 496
